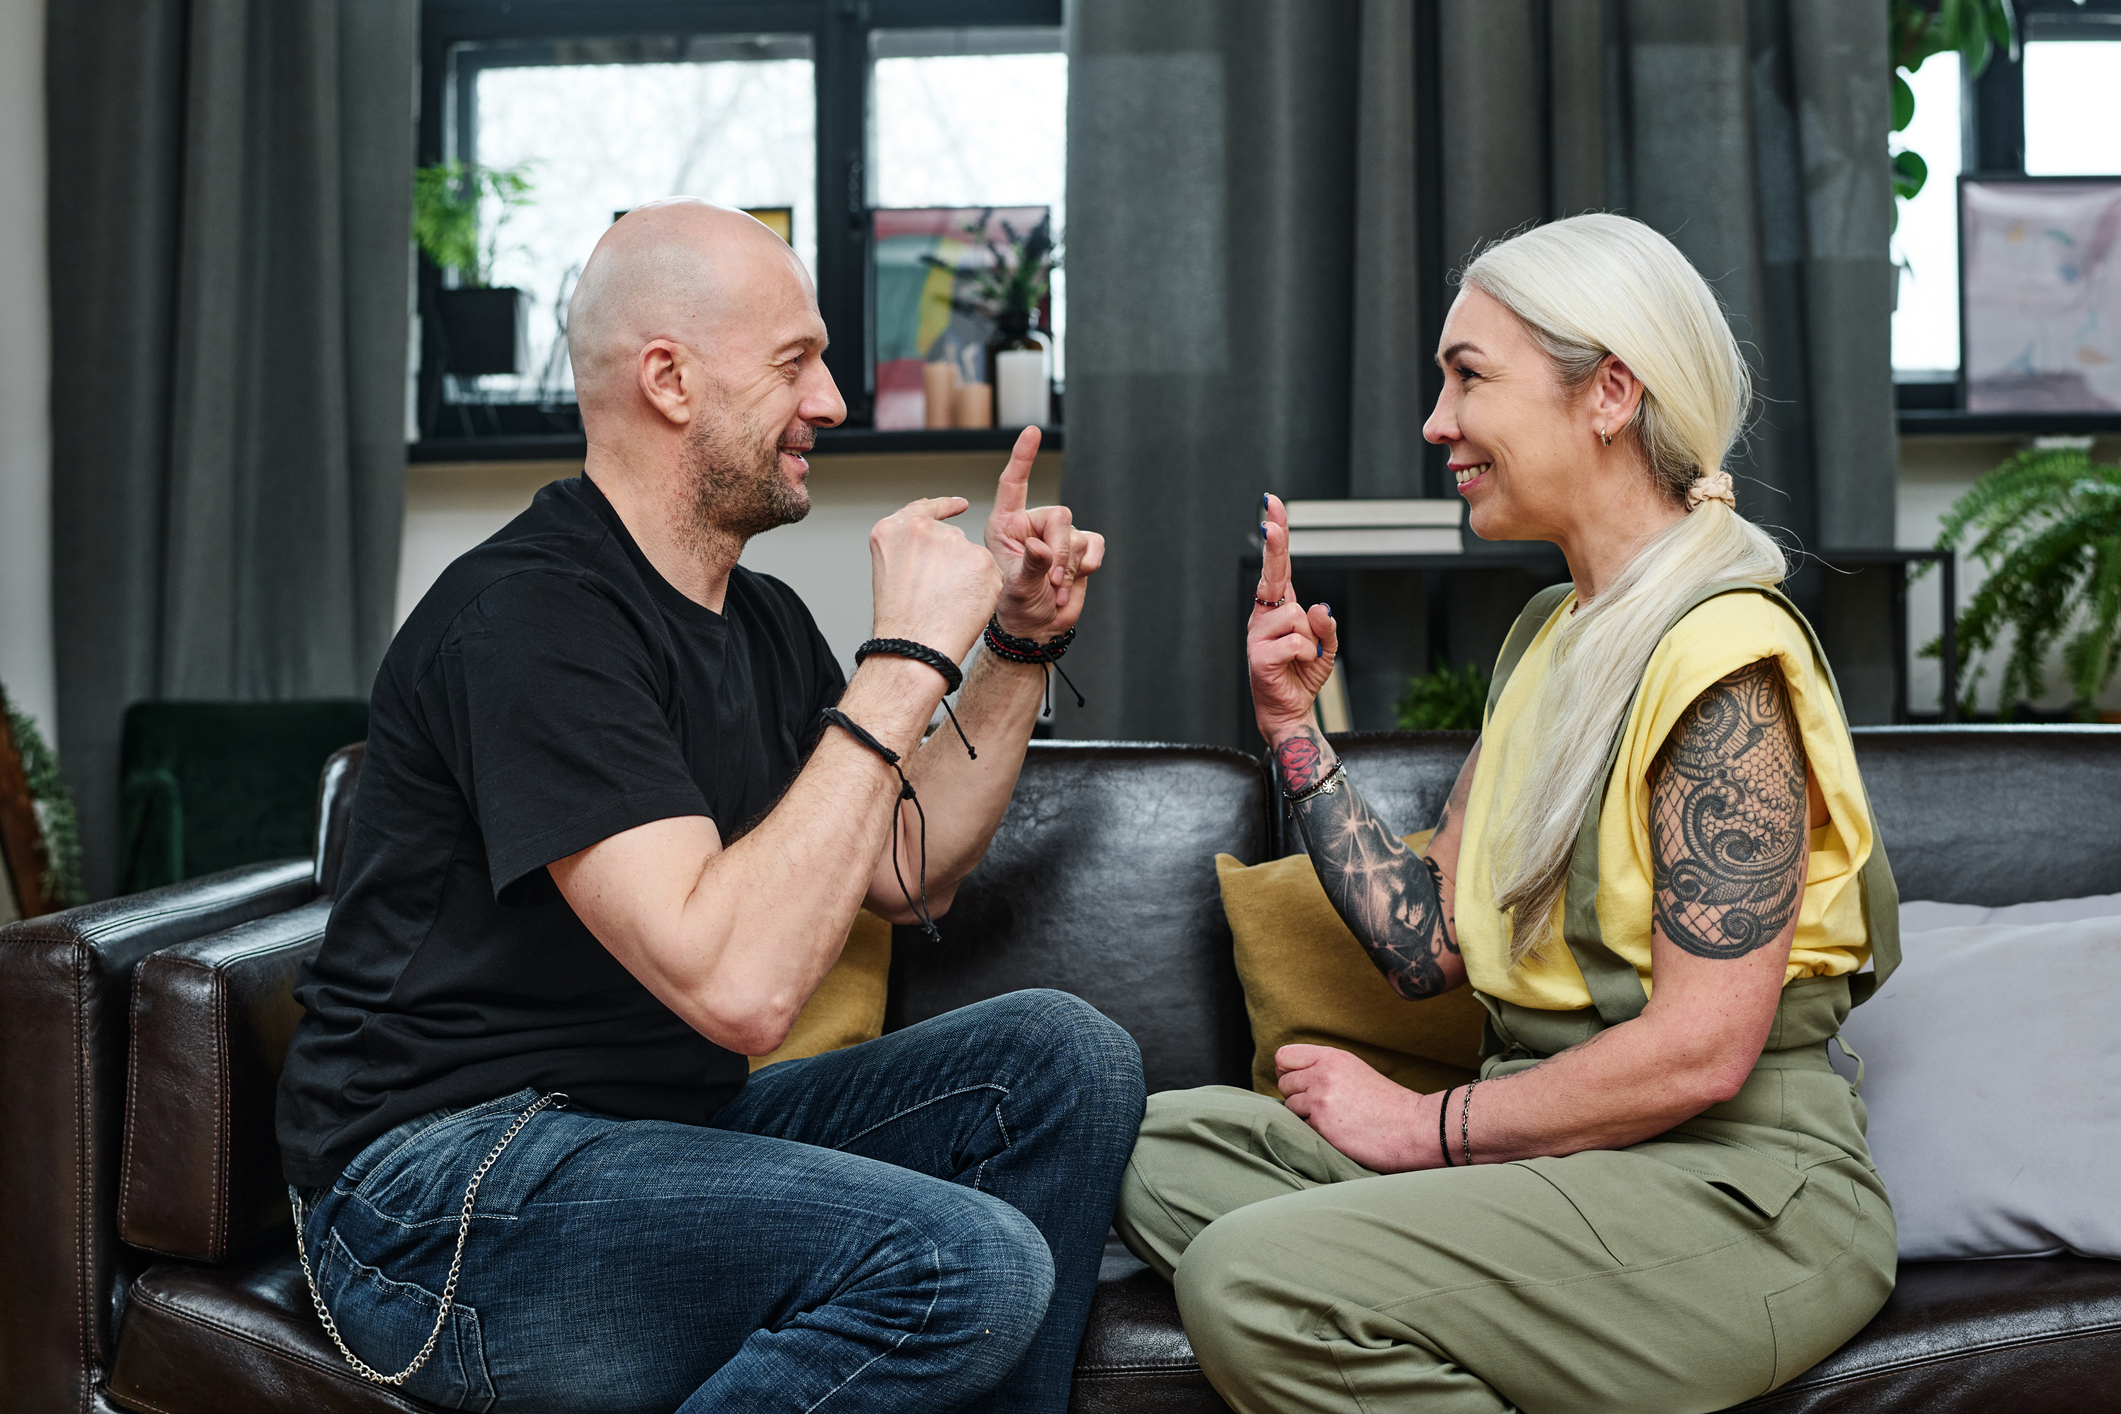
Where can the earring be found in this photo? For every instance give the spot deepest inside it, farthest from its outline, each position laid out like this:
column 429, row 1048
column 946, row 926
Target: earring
column 1603, row 439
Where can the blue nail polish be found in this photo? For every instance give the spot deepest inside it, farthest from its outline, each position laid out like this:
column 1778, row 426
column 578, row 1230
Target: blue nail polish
column 1321, row 650
column 1262, row 528
column 1327, row 607
column 1264, row 503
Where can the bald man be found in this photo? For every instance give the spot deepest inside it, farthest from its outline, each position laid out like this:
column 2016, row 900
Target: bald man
column 619, row 809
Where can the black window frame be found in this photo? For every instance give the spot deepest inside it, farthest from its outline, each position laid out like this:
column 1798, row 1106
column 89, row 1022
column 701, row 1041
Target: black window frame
column 840, row 39
column 1992, row 144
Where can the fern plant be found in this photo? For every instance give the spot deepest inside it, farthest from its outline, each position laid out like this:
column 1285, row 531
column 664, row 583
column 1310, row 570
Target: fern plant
column 2047, row 526
column 1449, row 699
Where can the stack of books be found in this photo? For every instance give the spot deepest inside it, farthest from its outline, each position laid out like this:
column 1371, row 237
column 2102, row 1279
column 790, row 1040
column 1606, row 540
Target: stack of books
column 1421, row 527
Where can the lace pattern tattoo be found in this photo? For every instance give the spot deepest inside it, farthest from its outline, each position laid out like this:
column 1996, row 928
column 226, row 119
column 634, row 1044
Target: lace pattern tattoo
column 1728, row 818
column 1390, row 897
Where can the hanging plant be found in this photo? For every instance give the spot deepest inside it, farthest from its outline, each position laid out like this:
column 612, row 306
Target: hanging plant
column 2047, row 526
column 1920, row 28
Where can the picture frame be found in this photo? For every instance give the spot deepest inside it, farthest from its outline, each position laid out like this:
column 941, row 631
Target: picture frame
column 911, row 319
column 2039, row 293
column 24, row 867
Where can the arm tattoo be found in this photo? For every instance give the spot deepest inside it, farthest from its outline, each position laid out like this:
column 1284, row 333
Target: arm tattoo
column 1303, row 763
column 1728, row 817
column 1390, row 897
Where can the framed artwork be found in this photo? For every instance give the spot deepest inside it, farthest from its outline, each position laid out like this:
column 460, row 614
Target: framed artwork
column 912, row 321
column 778, row 219
column 2040, row 294
column 22, row 860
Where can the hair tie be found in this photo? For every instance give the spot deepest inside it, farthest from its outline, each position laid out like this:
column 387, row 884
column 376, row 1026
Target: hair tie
column 1712, row 488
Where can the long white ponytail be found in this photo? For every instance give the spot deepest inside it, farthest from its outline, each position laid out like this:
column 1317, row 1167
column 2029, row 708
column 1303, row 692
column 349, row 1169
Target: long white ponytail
column 1587, row 287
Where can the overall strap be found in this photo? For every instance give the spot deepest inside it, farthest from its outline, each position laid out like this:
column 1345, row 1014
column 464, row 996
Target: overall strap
column 1616, row 988
column 1536, row 612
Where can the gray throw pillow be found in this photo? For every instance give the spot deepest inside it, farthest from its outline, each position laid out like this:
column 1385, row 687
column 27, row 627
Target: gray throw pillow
column 1993, row 1077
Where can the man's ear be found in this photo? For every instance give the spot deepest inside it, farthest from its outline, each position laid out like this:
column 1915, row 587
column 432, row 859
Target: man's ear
column 665, row 370
column 1616, row 395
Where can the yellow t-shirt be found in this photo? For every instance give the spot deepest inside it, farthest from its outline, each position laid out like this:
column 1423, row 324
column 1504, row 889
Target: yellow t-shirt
column 1716, row 639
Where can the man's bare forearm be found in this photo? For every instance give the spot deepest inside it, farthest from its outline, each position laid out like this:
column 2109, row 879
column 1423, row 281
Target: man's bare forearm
column 1391, row 898
column 964, row 799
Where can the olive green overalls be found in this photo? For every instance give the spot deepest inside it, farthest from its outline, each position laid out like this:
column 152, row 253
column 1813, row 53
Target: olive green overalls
column 1690, row 1272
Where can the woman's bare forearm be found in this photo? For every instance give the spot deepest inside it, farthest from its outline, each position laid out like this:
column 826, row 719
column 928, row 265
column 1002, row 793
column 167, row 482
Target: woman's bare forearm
column 1391, row 898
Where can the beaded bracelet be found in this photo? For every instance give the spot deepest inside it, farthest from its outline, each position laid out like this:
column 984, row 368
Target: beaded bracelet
column 1008, row 647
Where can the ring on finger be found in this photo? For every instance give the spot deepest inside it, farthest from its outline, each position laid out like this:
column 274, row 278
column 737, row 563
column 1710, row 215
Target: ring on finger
column 1275, row 605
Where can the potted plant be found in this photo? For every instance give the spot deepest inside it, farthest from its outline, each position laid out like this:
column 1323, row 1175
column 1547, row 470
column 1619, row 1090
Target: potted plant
column 483, row 327
column 1010, row 295
column 1447, row 700
column 2047, row 525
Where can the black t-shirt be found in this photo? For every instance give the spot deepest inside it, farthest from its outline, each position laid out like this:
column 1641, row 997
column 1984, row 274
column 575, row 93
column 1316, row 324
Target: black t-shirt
column 549, row 692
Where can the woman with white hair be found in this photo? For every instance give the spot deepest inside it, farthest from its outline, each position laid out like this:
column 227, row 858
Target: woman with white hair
column 1660, row 874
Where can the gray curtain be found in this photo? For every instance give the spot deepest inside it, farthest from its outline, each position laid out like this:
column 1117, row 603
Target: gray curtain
column 1251, row 307
column 230, row 195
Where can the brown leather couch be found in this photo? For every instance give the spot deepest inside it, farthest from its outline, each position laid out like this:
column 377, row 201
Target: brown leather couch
column 145, row 1256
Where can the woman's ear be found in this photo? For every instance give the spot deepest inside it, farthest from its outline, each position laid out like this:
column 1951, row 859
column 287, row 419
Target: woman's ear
column 1615, row 395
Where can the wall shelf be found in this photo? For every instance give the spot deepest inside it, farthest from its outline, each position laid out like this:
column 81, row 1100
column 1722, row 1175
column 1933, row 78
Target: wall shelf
column 1950, row 422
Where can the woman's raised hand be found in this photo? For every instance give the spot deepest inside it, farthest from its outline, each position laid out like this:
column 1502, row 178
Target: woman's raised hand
column 1289, row 649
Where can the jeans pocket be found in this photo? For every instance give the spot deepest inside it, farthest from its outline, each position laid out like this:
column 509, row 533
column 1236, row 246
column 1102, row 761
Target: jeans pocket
column 386, row 1323
column 403, row 1182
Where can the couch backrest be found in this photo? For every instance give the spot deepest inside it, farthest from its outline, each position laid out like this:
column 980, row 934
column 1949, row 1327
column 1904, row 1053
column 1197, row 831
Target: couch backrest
column 1101, row 882
column 1997, row 815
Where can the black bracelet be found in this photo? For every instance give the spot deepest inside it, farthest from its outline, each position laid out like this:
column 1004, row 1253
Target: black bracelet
column 1005, row 644
column 1443, row 1141
column 832, row 716
column 922, row 653
column 918, row 652
column 1008, row 647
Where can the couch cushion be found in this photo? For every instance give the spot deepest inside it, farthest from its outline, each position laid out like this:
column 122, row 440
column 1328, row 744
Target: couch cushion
column 211, row 1022
column 1101, row 882
column 237, row 1340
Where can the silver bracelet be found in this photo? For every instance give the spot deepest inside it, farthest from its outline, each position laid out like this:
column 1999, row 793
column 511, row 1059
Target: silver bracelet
column 1330, row 784
column 1465, row 1133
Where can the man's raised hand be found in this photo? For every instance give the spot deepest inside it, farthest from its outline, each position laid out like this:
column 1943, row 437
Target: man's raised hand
column 931, row 584
column 1042, row 557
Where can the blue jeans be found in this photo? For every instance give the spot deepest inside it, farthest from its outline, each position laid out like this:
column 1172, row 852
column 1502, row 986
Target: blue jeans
column 911, row 1224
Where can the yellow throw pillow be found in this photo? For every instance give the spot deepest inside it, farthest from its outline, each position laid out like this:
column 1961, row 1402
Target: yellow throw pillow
column 848, row 1006
column 1308, row 982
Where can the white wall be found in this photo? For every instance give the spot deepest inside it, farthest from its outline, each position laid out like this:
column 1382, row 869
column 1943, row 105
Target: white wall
column 824, row 557
column 25, row 374
column 1934, row 472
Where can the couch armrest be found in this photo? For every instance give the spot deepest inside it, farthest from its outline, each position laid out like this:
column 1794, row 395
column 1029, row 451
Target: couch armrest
column 65, row 1003
column 211, row 1023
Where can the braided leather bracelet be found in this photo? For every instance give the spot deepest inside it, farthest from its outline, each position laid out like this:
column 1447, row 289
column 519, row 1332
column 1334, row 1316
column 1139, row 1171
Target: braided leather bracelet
column 1008, row 647
column 953, row 679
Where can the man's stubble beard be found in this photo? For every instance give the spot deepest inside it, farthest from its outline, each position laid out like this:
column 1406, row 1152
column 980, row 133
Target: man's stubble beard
column 737, row 487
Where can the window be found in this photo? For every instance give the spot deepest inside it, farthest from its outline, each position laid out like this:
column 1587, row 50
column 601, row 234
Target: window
column 2056, row 111
column 2073, row 107
column 603, row 126
column 973, row 118
column 822, row 108
column 1926, row 241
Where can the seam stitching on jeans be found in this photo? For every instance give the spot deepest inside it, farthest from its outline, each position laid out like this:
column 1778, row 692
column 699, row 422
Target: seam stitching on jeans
column 936, row 1295
column 931, row 1100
